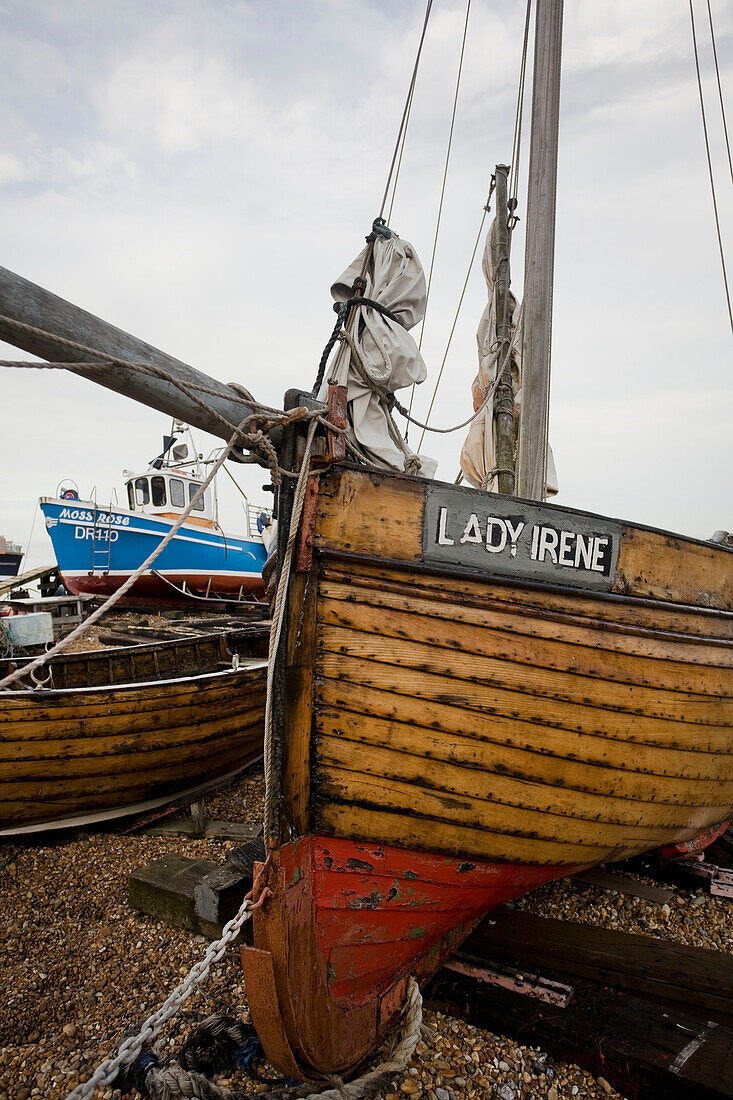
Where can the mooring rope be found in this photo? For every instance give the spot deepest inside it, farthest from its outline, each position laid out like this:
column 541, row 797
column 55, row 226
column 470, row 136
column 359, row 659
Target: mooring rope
column 189, row 1075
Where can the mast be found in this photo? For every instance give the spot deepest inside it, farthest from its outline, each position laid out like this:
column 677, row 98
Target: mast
column 504, row 396
column 540, row 251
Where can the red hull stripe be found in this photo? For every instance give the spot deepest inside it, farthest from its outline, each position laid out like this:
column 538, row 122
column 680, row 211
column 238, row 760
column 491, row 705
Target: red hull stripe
column 381, row 912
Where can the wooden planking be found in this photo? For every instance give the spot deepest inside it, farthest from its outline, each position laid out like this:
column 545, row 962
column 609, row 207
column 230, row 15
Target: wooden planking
column 480, row 640
column 144, row 740
column 701, row 627
column 496, row 758
column 210, row 736
column 381, row 514
column 29, row 716
column 693, row 975
column 489, row 701
column 457, row 722
column 598, row 636
column 357, row 511
column 467, row 668
column 669, row 567
column 647, row 1049
column 396, row 824
column 359, row 773
column 86, row 787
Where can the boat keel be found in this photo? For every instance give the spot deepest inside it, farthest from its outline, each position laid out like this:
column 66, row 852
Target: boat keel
column 344, row 927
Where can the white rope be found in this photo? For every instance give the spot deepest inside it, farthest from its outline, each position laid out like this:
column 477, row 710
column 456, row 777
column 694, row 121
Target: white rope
column 61, row 645
column 172, row 1081
column 278, row 615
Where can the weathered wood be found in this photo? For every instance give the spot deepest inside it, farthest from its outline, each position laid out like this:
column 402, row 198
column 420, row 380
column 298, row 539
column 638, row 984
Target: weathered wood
column 383, row 516
column 539, row 260
column 164, row 889
column 21, row 300
column 619, row 883
column 701, row 980
column 63, row 753
column 644, row 1049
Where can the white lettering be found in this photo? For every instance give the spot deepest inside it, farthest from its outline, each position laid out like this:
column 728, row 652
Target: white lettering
column 600, row 544
column 548, row 544
column 494, row 521
column 79, row 532
column 566, row 547
column 472, row 532
column 584, row 550
column 443, row 539
column 514, row 533
column 535, row 536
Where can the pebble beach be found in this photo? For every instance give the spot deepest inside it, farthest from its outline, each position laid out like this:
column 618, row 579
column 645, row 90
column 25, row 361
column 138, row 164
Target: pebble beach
column 81, row 967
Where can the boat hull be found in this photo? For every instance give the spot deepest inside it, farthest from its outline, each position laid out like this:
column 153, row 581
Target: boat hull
column 444, row 698
column 65, row 753
column 345, row 927
column 98, row 550
column 10, row 563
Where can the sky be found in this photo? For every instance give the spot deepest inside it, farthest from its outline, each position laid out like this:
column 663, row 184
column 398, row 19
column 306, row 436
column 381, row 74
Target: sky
column 198, row 172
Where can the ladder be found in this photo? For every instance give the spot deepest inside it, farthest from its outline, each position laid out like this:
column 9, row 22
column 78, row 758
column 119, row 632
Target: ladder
column 101, row 546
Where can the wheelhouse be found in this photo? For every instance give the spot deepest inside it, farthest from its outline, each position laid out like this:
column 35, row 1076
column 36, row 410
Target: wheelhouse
column 162, row 493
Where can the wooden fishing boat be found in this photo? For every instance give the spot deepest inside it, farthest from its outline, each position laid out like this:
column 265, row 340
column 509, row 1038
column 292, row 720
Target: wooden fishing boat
column 473, row 692
column 127, row 729
column 459, row 726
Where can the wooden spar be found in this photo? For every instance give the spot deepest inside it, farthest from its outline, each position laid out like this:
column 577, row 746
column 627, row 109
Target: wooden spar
column 504, row 396
column 23, row 301
column 540, row 252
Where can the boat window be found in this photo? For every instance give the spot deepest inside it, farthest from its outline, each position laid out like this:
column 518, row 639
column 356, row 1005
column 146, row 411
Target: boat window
column 157, row 487
column 131, row 495
column 142, row 493
column 177, row 492
column 192, row 488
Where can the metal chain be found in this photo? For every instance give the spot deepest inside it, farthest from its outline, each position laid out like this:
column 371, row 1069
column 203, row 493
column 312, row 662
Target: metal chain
column 129, row 1048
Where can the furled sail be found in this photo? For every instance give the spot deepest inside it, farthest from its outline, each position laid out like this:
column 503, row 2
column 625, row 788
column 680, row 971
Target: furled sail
column 478, row 456
column 378, row 355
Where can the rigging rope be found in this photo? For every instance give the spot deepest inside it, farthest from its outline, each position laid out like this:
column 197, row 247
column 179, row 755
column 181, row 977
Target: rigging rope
column 710, row 167
column 455, row 319
column 519, row 113
column 720, row 91
column 406, row 111
column 513, row 188
column 442, row 190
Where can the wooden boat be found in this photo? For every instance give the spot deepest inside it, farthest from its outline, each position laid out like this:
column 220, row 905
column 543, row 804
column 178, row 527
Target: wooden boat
column 126, row 729
column 473, row 693
column 453, row 736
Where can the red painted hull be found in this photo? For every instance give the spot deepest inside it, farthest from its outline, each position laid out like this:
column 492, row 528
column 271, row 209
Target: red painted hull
column 152, row 586
column 346, row 926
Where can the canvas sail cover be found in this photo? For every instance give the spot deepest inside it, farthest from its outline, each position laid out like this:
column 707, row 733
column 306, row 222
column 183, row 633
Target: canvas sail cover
column 381, row 355
column 478, row 456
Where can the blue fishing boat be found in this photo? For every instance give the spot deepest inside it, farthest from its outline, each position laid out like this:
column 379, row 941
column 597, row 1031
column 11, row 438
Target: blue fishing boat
column 98, row 548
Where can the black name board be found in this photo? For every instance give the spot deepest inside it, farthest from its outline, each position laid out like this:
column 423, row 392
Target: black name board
column 490, row 533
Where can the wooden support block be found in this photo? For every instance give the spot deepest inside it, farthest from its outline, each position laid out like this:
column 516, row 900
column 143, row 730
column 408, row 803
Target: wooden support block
column 221, row 830
column 645, row 1050
column 623, row 884
column 698, row 979
column 164, row 889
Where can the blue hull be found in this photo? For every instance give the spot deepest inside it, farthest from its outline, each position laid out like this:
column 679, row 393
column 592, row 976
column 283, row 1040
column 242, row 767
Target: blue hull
column 97, row 550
